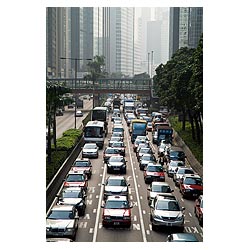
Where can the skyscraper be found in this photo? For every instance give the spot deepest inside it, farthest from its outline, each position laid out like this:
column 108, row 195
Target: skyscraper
column 186, row 27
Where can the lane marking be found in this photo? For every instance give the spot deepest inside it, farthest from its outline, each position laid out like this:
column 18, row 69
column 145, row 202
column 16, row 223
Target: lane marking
column 137, row 193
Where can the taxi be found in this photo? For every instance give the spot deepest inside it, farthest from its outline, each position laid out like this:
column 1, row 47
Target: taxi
column 154, row 172
column 116, row 212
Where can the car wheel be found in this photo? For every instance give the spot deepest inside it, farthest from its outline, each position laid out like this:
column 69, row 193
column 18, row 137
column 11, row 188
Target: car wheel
column 125, row 171
column 154, row 227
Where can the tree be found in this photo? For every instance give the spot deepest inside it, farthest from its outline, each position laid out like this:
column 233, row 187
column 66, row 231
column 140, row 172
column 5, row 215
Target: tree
column 97, row 68
column 54, row 92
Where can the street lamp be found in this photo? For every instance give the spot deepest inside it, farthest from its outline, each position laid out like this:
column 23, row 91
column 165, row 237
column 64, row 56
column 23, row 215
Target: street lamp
column 75, row 59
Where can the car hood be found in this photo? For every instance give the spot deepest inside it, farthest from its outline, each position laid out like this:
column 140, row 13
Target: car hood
column 153, row 194
column 70, row 201
column 168, row 213
column 59, row 223
column 117, row 189
column 80, row 168
column 196, row 187
column 117, row 212
column 145, row 162
column 116, row 163
column 89, row 150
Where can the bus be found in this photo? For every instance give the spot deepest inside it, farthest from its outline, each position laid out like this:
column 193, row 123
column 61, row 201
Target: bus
column 101, row 114
column 94, row 132
column 138, row 127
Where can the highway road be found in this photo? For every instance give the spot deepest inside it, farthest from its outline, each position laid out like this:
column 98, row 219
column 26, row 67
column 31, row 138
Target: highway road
column 90, row 226
column 67, row 121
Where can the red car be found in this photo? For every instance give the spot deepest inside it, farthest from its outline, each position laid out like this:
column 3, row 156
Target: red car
column 76, row 179
column 154, row 172
column 198, row 209
column 116, row 212
column 83, row 165
column 191, row 186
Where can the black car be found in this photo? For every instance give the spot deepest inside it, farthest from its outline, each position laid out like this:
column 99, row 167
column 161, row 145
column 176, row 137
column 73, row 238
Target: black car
column 73, row 196
column 176, row 154
column 117, row 164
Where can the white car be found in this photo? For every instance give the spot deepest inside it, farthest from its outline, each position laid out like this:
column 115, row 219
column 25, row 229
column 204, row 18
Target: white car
column 62, row 221
column 172, row 167
column 90, row 150
column 79, row 113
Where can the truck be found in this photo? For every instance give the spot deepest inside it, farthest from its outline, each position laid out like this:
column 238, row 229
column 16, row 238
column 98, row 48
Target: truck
column 101, row 114
column 138, row 127
column 164, row 133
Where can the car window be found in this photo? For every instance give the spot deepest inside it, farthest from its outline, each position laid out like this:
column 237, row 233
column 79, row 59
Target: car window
column 167, row 205
column 71, row 194
column 55, row 214
column 81, row 163
column 116, row 204
column 75, row 178
column 192, row 181
column 155, row 169
column 116, row 182
column 161, row 189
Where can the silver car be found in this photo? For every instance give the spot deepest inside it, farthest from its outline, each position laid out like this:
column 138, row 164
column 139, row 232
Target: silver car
column 157, row 187
column 90, row 150
column 180, row 172
column 62, row 221
column 115, row 185
column 165, row 211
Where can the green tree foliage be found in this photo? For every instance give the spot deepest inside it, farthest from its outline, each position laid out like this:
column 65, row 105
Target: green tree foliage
column 54, row 92
column 179, row 85
column 96, row 67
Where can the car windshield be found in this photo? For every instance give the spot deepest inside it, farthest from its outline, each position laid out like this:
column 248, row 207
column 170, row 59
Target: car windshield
column 155, row 169
column 62, row 215
column 116, row 204
column 201, row 204
column 81, row 164
column 145, row 150
column 75, row 178
column 90, row 146
column 185, row 171
column 116, row 182
column 147, row 158
column 117, row 144
column 176, row 164
column 168, row 205
column 112, row 151
column 161, row 189
column 116, row 159
column 177, row 154
column 193, row 181
column 71, row 194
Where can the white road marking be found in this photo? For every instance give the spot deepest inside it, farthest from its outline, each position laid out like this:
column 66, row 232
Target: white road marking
column 131, row 197
column 135, row 218
column 143, row 211
column 190, row 214
column 148, row 232
column 94, row 210
column 90, row 196
column 91, row 230
column 97, row 196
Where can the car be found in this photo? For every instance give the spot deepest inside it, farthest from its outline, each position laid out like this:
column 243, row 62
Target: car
column 115, row 185
column 191, row 186
column 84, row 165
column 113, row 139
column 71, row 106
column 149, row 126
column 76, row 179
column 176, row 154
column 90, row 150
column 165, row 211
column 62, row 221
column 141, row 145
column 117, row 120
column 117, row 134
column 145, row 160
column 109, row 151
column 117, row 164
column 116, row 212
column 142, row 151
column 137, row 142
column 154, row 172
column 198, row 209
column 115, row 114
column 180, row 171
column 156, row 188
column 59, row 112
column 118, row 128
column 182, row 237
column 172, row 166
column 118, row 145
column 161, row 149
column 73, row 196
column 79, row 113
column 58, row 240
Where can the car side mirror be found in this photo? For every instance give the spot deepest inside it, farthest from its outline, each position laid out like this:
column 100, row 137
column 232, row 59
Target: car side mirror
column 151, row 205
column 128, row 184
column 76, row 217
column 183, row 208
column 172, row 190
column 102, row 206
column 149, row 189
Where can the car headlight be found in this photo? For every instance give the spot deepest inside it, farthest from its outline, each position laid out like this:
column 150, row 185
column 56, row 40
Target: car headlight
column 157, row 217
column 70, row 229
column 106, row 217
column 180, row 217
column 47, row 229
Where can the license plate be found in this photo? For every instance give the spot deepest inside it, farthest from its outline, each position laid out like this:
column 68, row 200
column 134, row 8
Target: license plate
column 169, row 224
column 116, row 223
column 116, row 168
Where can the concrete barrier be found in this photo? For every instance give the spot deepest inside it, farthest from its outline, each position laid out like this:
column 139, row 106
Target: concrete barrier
column 196, row 166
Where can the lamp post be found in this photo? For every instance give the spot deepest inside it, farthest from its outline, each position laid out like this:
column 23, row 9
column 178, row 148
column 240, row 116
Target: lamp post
column 75, row 59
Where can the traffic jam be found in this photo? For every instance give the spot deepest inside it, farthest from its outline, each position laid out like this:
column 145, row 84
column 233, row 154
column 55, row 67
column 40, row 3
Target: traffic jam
column 130, row 183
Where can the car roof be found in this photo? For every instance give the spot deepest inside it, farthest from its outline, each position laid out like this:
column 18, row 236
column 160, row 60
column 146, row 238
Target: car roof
column 166, row 196
column 117, row 198
column 191, row 176
column 184, row 237
column 63, row 207
column 76, row 172
column 83, row 159
column 117, row 177
column 160, row 183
